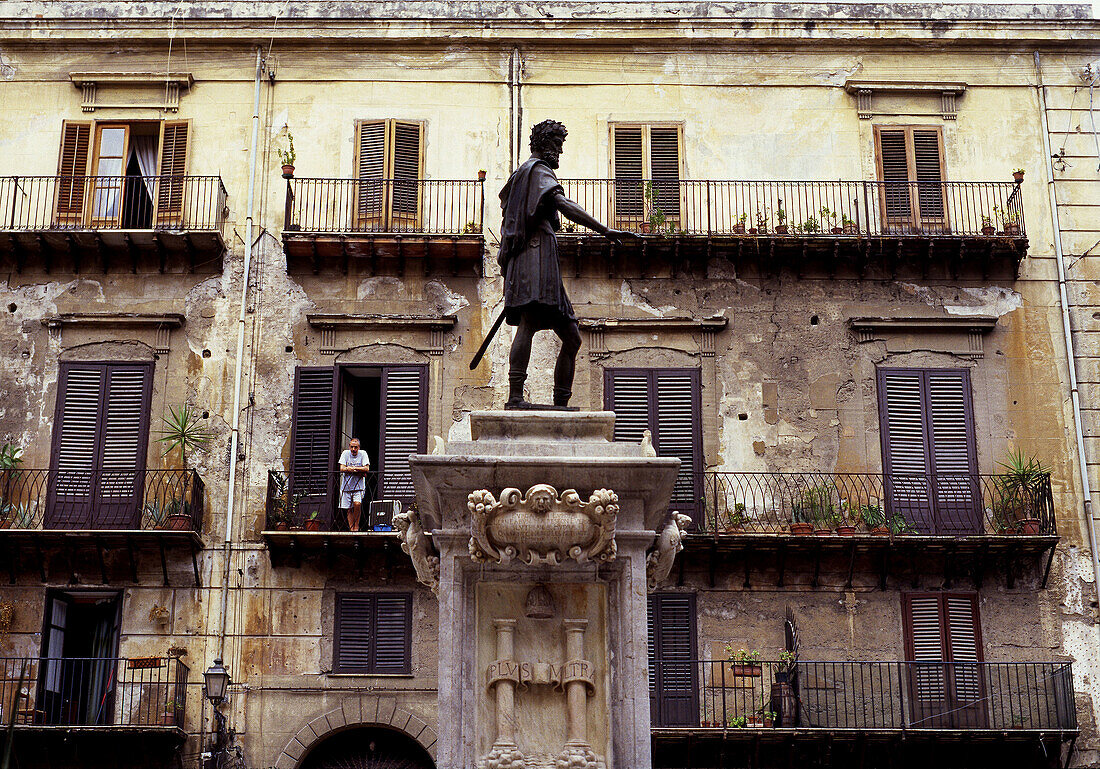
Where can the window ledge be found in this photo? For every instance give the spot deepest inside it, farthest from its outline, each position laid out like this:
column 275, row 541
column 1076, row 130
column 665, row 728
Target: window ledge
column 369, row 675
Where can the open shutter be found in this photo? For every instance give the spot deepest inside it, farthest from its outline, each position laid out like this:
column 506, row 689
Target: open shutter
column 172, row 170
column 905, row 446
column 894, row 167
column 407, row 143
column 671, row 664
column 678, row 433
column 354, row 633
column 628, row 171
column 928, row 173
column 664, row 163
column 72, row 168
column 404, row 428
column 370, row 171
column 76, row 445
column 312, row 457
column 393, row 631
column 125, row 434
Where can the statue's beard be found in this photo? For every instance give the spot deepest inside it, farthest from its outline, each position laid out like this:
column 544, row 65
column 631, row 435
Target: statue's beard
column 550, row 158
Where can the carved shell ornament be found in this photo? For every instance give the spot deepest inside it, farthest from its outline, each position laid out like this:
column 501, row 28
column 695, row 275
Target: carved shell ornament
column 542, row 527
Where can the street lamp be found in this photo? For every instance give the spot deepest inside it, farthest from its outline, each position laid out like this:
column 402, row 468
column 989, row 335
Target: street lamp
column 217, row 682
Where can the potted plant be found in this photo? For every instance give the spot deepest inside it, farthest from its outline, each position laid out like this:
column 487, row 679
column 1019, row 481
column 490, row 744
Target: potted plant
column 762, row 717
column 810, row 225
column 1018, row 721
column 737, row 518
column 288, row 156
column 744, row 662
column 170, row 716
column 785, row 665
column 846, row 527
column 1020, row 492
column 739, row 228
column 848, row 226
column 471, row 228
column 1010, row 221
column 781, row 227
column 183, row 429
column 830, row 216
column 874, row 519
column 736, row 722
column 761, row 227
column 481, row 175
column 987, row 225
column 1017, row 175
column 313, row 523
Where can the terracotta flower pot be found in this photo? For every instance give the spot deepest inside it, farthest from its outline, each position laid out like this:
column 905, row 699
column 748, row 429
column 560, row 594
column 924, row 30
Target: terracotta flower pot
column 739, row 229
column 288, row 172
column 782, row 229
column 988, row 229
column 178, row 522
column 753, row 230
column 838, row 230
column 747, row 669
column 481, row 176
column 823, row 532
column 1017, row 176
column 313, row 525
column 802, row 529
column 846, row 531
column 1028, row 526
column 850, row 229
column 881, row 531
column 1012, row 229
column 282, row 526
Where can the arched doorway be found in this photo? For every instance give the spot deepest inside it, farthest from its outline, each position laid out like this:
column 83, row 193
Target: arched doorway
column 367, row 747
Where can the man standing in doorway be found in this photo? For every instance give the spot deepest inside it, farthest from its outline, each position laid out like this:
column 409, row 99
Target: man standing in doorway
column 354, row 465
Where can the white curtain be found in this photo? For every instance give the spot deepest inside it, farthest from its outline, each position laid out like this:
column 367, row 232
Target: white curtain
column 145, row 150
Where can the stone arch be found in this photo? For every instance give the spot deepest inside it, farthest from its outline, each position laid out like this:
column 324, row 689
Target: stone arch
column 357, row 712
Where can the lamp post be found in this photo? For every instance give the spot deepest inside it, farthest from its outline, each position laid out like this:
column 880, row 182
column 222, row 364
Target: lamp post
column 216, row 678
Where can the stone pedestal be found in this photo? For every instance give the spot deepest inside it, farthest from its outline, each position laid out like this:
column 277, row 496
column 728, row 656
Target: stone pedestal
column 543, row 529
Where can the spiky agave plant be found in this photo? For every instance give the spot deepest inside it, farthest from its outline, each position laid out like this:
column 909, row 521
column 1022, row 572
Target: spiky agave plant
column 184, row 429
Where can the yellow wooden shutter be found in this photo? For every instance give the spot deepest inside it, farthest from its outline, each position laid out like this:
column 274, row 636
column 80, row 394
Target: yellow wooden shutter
column 664, row 164
column 370, row 171
column 406, row 153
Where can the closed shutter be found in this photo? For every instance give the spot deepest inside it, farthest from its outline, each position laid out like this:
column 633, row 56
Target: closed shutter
column 927, row 646
column 667, row 403
column 961, row 614
column 673, row 678
column 628, row 171
column 173, row 167
column 943, row 644
column 912, row 171
column 100, row 440
column 928, row 448
column 312, row 458
column 407, row 139
column 73, row 162
column 370, row 171
column 404, row 427
column 664, row 163
column 372, row 633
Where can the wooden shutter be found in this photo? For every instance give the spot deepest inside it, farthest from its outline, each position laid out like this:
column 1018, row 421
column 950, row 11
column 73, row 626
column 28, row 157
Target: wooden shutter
column 172, row 170
column 312, row 442
column 928, row 173
column 404, row 427
column 407, row 141
column 100, row 441
column 928, row 449
column 389, row 166
column 943, row 645
column 673, row 677
column 372, row 633
column 628, row 172
column 667, row 402
column 73, row 162
column 664, row 163
column 910, row 161
column 370, row 171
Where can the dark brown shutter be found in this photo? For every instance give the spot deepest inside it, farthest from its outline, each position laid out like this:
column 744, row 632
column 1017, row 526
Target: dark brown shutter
column 372, row 633
column 894, row 161
column 407, row 140
column 906, row 462
column 667, row 402
column 370, row 170
column 954, row 462
column 673, row 677
column 76, row 444
column 943, row 644
column 125, row 434
column 173, row 167
column 312, row 442
column 628, row 171
column 404, row 427
column 928, row 173
column 664, row 163
column 73, row 162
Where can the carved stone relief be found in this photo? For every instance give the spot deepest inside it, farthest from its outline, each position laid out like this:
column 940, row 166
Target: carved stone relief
column 415, row 543
column 669, row 542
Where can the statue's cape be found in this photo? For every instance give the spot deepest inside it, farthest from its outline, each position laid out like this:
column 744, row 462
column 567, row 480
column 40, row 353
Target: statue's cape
column 520, row 200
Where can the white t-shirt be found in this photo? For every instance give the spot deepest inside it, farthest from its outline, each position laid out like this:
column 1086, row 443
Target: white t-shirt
column 354, row 481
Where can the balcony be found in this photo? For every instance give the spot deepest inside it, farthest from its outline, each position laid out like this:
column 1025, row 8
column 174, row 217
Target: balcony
column 966, row 524
column 303, row 516
column 386, row 223
column 99, row 522
column 113, row 223
column 725, row 713
column 96, row 706
column 864, row 229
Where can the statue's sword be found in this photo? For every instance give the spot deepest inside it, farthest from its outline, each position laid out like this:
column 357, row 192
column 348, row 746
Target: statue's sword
column 485, row 344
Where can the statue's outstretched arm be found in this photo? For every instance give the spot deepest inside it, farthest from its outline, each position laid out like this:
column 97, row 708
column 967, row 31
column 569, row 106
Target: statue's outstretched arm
column 572, row 211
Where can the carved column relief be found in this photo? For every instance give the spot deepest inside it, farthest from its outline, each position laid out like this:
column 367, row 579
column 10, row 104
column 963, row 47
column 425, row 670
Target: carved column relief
column 503, row 677
column 577, row 677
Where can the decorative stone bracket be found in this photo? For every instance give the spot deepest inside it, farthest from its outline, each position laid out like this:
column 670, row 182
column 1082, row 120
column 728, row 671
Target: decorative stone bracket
column 414, row 541
column 542, row 527
column 669, row 542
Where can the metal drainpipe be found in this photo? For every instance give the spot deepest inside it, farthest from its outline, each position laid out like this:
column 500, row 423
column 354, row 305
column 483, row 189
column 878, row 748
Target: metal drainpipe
column 234, row 439
column 1067, row 332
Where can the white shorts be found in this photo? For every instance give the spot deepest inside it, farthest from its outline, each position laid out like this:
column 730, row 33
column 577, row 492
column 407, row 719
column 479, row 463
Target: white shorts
column 347, row 498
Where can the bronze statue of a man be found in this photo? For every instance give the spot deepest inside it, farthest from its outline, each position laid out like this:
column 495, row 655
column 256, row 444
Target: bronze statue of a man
column 534, row 295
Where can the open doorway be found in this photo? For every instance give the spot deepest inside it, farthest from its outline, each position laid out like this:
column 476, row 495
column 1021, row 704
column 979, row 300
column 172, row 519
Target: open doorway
column 76, row 679
column 361, row 408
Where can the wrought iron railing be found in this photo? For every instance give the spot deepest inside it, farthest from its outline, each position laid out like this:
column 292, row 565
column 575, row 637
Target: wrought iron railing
column 319, row 501
column 726, row 694
column 866, row 503
column 101, row 499
column 413, row 206
column 45, row 203
column 93, row 691
column 801, row 208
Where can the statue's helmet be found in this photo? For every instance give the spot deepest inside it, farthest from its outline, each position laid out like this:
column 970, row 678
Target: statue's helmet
column 546, row 134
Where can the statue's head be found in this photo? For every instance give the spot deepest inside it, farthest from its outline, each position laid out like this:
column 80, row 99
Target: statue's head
column 547, row 139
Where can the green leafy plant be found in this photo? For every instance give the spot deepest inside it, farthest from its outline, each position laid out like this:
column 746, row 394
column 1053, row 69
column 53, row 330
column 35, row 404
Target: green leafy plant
column 736, row 516
column 872, row 516
column 1017, row 170
column 18, row 516
column 810, row 225
column 1020, row 489
column 288, row 156
column 658, row 222
column 736, row 722
column 787, row 660
column 471, row 228
column 11, row 457
column 750, row 656
column 814, row 505
column 184, row 429
column 780, row 215
column 898, row 525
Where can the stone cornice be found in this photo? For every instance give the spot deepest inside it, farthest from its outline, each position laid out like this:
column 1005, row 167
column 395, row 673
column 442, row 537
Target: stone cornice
column 167, row 320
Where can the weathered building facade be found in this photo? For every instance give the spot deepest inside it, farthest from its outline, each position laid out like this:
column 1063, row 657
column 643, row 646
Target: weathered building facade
column 860, row 357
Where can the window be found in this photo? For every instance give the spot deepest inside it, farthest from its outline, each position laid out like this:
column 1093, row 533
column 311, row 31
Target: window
column 646, row 168
column 667, row 403
column 943, row 647
column 385, row 407
column 127, row 175
column 928, row 455
column 388, row 168
column 100, row 438
column 672, row 676
column 76, row 683
column 911, row 167
column 373, row 633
